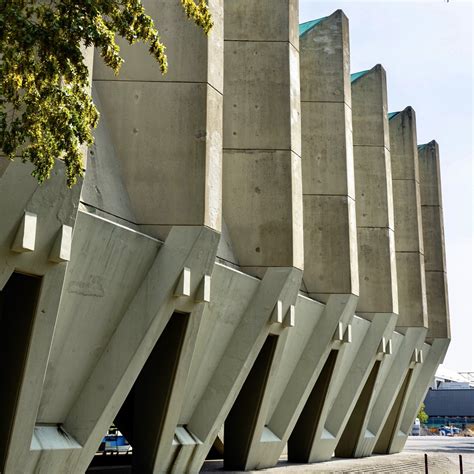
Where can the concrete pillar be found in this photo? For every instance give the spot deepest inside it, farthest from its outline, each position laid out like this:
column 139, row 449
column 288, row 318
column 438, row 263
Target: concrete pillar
column 329, row 226
column 275, row 295
column 161, row 125
column 347, row 409
column 412, row 320
column 374, row 198
column 36, row 235
column 262, row 200
column 262, row 136
column 433, row 237
column 408, row 225
column 330, row 231
column 394, row 435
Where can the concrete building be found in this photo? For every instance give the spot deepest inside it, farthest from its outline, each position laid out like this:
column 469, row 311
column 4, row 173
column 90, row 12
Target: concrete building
column 254, row 260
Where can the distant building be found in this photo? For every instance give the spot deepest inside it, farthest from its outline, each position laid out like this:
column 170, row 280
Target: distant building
column 450, row 407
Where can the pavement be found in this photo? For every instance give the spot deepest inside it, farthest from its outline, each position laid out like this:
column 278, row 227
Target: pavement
column 443, row 458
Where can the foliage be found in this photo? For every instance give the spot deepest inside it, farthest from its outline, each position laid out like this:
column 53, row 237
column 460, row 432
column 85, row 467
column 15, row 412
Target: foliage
column 46, row 111
column 422, row 415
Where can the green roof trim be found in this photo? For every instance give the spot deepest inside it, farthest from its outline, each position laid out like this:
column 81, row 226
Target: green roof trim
column 420, row 147
column 304, row 27
column 392, row 114
column 358, row 75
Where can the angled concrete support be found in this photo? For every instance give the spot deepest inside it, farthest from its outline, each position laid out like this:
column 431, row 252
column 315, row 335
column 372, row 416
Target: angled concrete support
column 405, row 409
column 32, row 217
column 132, row 342
column 348, row 396
column 351, row 395
column 438, row 337
column 233, row 369
column 412, row 320
column 330, row 273
column 310, row 347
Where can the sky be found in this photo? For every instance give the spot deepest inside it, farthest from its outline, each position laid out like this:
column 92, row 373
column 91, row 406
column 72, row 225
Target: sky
column 426, row 47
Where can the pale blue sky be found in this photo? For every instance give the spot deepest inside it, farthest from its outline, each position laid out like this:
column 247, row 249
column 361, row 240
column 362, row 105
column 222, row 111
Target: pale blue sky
column 426, row 47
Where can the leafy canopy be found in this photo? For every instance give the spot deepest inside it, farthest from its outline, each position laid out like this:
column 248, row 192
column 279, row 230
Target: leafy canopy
column 46, row 111
column 422, row 415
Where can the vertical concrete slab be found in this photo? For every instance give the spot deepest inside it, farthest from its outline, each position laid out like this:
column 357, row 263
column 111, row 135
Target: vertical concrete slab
column 330, row 256
column 262, row 199
column 438, row 336
column 374, row 198
column 330, row 233
column 347, row 410
column 162, row 125
column 262, row 191
column 408, row 223
column 433, row 237
column 412, row 320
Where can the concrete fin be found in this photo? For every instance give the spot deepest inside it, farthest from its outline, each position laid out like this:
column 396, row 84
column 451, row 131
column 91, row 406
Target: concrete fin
column 289, row 320
column 347, row 337
column 61, row 251
column 203, row 294
column 339, row 333
column 183, row 287
column 277, row 313
column 25, row 237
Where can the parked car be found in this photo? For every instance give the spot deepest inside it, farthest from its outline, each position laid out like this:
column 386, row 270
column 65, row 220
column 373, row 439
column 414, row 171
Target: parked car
column 114, row 443
column 449, row 431
column 415, row 429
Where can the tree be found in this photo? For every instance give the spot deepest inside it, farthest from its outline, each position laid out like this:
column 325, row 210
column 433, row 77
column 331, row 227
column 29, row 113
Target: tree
column 422, row 415
column 46, row 111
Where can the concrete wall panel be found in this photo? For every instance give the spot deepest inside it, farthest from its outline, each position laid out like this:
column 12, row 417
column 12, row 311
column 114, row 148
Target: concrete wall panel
column 433, row 236
column 327, row 159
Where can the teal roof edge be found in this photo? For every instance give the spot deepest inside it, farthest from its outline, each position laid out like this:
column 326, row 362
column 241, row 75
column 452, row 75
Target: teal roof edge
column 392, row 114
column 308, row 25
column 358, row 75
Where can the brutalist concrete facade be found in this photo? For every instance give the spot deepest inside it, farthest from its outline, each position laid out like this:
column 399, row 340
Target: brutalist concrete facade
column 255, row 259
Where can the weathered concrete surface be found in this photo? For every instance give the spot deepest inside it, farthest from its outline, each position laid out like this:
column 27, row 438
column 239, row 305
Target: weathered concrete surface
column 398, row 425
column 54, row 207
column 433, row 236
column 158, row 334
column 408, row 224
column 34, row 218
column 160, row 125
column 374, row 198
column 262, row 190
column 330, row 234
column 412, row 319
